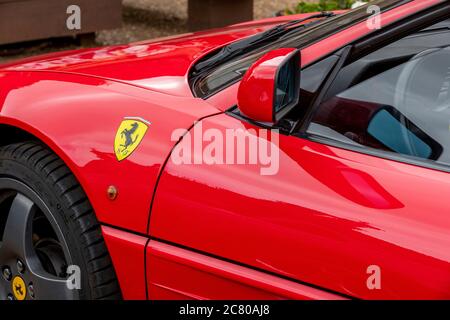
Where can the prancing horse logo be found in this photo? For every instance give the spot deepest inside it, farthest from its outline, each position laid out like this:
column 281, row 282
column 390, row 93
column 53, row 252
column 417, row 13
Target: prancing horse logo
column 129, row 136
column 19, row 288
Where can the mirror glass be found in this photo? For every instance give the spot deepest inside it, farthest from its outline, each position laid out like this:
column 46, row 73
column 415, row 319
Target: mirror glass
column 285, row 85
column 397, row 133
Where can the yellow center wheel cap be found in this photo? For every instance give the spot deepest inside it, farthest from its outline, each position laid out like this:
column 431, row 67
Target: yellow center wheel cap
column 19, row 288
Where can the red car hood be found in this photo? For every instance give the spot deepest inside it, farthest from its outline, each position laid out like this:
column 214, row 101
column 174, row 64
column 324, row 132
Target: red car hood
column 161, row 65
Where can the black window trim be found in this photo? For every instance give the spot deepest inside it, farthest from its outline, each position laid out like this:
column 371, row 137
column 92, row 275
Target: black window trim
column 387, row 155
column 349, row 54
column 388, row 32
column 358, row 50
column 193, row 81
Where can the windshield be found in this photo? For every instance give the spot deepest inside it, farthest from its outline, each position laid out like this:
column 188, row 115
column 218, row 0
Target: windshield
column 207, row 83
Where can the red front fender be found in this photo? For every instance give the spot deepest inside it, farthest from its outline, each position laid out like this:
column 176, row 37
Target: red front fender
column 78, row 117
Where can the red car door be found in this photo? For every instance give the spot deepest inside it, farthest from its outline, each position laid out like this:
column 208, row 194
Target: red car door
column 356, row 206
column 326, row 219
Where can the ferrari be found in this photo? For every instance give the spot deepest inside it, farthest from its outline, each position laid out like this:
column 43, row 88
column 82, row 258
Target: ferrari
column 296, row 157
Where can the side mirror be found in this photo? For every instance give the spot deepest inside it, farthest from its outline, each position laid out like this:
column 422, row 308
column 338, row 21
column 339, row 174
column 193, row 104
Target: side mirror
column 271, row 87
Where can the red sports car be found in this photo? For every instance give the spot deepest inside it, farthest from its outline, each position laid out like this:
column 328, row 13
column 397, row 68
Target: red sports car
column 298, row 157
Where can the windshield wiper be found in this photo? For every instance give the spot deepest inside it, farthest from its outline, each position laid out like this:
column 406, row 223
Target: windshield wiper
column 248, row 44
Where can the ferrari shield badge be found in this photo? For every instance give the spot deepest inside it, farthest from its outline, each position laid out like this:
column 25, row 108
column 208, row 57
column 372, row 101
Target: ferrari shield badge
column 129, row 136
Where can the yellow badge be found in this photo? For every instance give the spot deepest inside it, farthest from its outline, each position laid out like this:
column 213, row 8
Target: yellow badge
column 19, row 288
column 129, row 136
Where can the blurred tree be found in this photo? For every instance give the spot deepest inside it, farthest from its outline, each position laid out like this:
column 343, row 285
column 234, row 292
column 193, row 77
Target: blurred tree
column 322, row 5
column 342, row 4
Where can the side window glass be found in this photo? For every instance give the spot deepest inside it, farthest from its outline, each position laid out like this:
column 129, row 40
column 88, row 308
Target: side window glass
column 311, row 79
column 404, row 109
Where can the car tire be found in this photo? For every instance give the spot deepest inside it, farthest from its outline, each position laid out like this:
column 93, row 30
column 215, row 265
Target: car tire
column 31, row 173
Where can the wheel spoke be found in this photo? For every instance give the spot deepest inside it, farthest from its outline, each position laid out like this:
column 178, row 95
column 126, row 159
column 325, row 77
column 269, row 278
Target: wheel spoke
column 32, row 247
column 48, row 287
column 17, row 234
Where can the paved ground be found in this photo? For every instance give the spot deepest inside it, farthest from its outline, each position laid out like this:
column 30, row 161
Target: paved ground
column 143, row 19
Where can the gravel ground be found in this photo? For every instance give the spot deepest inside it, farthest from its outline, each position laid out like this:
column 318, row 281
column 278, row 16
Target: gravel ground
column 147, row 19
column 142, row 19
column 178, row 8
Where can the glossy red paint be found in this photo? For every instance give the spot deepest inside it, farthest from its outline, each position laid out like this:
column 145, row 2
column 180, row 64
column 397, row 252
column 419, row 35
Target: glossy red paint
column 82, row 115
column 160, row 65
column 316, row 51
column 340, row 39
column 323, row 219
column 256, row 94
column 202, row 277
column 130, row 269
column 279, row 19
